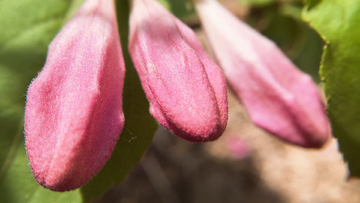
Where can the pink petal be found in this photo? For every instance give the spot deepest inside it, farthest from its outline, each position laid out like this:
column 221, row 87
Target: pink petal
column 73, row 114
column 278, row 97
column 186, row 90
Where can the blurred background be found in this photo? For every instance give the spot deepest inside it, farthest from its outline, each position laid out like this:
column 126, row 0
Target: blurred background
column 246, row 164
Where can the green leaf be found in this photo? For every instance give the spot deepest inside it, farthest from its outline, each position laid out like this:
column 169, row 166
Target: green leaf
column 139, row 127
column 337, row 22
column 182, row 9
column 27, row 27
column 166, row 4
column 257, row 2
column 20, row 186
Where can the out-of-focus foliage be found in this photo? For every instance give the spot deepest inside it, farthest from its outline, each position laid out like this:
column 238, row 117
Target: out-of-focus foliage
column 257, row 2
column 337, row 21
column 182, row 8
column 165, row 3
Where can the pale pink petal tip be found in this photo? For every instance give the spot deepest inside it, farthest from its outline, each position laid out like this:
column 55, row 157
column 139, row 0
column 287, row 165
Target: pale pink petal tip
column 278, row 97
column 73, row 114
column 186, row 90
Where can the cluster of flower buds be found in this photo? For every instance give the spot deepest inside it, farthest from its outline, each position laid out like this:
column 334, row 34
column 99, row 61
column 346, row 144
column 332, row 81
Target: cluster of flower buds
column 74, row 116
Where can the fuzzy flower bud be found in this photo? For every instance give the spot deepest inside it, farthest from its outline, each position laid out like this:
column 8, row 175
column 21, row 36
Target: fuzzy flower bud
column 73, row 114
column 278, row 97
column 186, row 90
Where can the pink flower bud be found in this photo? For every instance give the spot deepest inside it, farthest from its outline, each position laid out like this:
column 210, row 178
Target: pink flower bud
column 186, row 90
column 73, row 114
column 278, row 97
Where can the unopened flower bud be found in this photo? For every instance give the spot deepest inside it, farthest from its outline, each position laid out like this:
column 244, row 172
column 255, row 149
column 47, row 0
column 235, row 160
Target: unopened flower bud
column 73, row 114
column 186, row 90
column 278, row 97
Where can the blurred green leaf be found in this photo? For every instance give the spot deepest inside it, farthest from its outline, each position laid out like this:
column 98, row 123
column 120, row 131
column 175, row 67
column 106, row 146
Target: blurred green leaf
column 139, row 127
column 292, row 10
column 257, row 2
column 337, row 22
column 182, row 8
column 26, row 29
column 306, row 54
column 166, row 4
